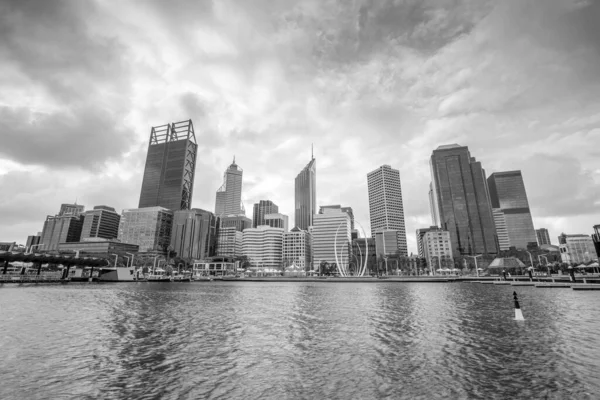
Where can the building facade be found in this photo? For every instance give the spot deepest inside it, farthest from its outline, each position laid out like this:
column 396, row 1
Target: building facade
column 502, row 239
column 387, row 242
column 461, row 203
column 576, row 249
column 263, row 246
column 229, row 196
column 543, row 237
column 101, row 222
column 508, row 194
column 229, row 242
column 262, row 208
column 60, row 229
column 98, row 246
column 149, row 228
column 33, row 242
column 438, row 249
column 386, row 210
column 306, row 195
column 347, row 210
column 297, row 249
column 70, row 209
column 364, row 249
column 331, row 230
column 277, row 220
column 239, row 222
column 194, row 234
column 170, row 167
column 596, row 239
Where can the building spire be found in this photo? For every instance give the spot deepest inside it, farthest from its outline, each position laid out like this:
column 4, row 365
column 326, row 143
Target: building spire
column 234, row 158
column 312, row 154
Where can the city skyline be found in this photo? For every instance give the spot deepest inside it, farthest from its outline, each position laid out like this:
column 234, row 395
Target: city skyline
column 376, row 94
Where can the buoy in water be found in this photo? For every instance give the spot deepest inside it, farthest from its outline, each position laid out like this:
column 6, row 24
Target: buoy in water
column 518, row 312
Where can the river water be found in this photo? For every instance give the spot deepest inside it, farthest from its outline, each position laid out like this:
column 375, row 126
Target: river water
column 253, row 340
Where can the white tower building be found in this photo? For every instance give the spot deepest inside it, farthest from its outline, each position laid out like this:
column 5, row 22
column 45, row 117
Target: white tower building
column 385, row 203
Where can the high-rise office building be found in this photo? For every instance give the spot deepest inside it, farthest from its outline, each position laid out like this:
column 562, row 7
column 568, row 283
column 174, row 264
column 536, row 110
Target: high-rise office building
column 297, row 249
column 261, row 209
column 331, row 230
column 70, row 209
column 347, row 210
column 386, row 210
column 101, row 222
column 306, row 195
column 387, row 242
column 461, row 202
column 508, row 196
column 277, row 220
column 229, row 196
column 263, row 246
column 149, row 228
column 194, row 234
column 229, row 242
column 33, row 242
column 543, row 237
column 170, row 167
column 60, row 229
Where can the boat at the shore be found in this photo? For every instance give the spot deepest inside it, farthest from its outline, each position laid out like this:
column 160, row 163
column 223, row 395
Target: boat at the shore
column 158, row 275
column 182, row 277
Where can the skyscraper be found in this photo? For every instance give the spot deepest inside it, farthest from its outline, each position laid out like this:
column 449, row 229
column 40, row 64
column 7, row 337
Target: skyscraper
column 194, row 234
column 306, row 195
column 229, row 196
column 62, row 228
column 170, row 166
column 507, row 193
column 261, row 209
column 386, row 211
column 461, row 203
column 101, row 222
column 543, row 237
column 596, row 239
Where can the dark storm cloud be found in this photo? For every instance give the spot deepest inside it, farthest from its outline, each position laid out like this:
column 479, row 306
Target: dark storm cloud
column 79, row 79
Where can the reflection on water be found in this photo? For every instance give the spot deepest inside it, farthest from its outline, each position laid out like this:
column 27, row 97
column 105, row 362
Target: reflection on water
column 296, row 340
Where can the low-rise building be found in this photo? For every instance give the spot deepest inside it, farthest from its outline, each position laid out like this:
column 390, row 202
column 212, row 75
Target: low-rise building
column 98, row 246
column 575, row 249
column 297, row 249
column 263, row 246
column 438, row 249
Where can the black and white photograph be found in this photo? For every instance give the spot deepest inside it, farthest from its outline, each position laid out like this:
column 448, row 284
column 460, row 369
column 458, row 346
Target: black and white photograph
column 299, row 199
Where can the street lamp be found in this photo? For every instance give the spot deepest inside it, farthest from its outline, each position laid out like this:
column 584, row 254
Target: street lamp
column 127, row 260
column 132, row 257
column 547, row 266
column 116, row 258
column 475, row 258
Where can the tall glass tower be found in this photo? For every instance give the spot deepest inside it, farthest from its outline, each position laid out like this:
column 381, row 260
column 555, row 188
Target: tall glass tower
column 229, row 196
column 509, row 199
column 170, row 167
column 461, row 203
column 386, row 210
column 306, row 195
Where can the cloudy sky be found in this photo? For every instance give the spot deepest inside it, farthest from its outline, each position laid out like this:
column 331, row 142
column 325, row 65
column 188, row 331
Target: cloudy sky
column 368, row 82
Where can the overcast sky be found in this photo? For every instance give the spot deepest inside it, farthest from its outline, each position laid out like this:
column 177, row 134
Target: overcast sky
column 368, row 82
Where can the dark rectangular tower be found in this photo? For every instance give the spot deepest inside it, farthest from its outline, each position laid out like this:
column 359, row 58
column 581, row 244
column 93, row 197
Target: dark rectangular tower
column 461, row 202
column 170, row 167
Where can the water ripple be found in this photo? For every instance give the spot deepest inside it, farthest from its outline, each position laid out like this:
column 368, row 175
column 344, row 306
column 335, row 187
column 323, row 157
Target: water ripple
column 224, row 340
